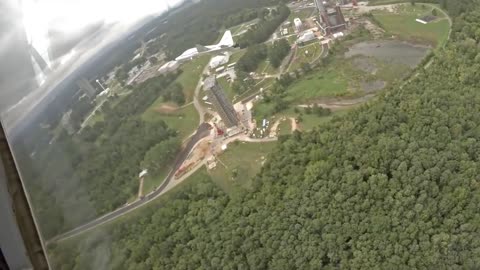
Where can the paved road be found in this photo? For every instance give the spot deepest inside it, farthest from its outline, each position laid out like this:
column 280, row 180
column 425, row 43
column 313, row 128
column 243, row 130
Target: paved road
column 201, row 111
column 202, row 132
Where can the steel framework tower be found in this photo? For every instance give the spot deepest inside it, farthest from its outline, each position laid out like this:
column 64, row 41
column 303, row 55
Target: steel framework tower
column 220, row 102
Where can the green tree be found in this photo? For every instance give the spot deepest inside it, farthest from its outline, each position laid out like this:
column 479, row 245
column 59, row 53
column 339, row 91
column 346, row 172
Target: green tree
column 308, row 110
column 251, row 59
column 278, row 51
column 159, row 156
column 306, row 67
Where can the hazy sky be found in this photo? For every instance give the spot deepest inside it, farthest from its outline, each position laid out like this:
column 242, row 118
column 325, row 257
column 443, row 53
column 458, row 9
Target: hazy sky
column 70, row 16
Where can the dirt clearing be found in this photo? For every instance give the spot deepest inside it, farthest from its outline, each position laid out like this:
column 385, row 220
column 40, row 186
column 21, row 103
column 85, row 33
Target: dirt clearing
column 166, row 108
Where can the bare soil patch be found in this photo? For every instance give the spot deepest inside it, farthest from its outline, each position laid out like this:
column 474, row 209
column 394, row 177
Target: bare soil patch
column 167, row 108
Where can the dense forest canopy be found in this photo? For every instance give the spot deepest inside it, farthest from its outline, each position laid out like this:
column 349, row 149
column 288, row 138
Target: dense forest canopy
column 252, row 58
column 264, row 30
column 94, row 172
column 278, row 51
column 393, row 185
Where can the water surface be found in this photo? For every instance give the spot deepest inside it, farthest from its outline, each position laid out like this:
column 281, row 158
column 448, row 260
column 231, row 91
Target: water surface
column 390, row 51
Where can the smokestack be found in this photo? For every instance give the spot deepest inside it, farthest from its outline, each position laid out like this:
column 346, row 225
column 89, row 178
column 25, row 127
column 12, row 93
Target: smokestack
column 322, row 12
column 320, row 7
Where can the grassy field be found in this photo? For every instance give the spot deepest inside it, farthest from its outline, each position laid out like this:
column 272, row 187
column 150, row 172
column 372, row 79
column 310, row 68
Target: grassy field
column 265, row 84
column 262, row 67
column 292, row 39
column 306, row 54
column 184, row 120
column 302, row 14
column 242, row 161
column 265, row 67
column 191, row 74
column 324, row 83
column 285, row 127
column 402, row 24
column 236, row 56
column 309, row 121
column 241, row 27
column 151, row 182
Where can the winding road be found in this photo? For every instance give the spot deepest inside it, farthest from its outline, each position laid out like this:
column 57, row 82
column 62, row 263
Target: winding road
column 202, row 132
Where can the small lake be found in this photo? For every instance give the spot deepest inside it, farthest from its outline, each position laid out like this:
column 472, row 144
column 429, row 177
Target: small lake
column 390, row 51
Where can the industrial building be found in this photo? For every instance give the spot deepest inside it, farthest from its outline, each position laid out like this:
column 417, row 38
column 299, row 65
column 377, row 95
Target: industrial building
column 87, row 88
column 220, row 102
column 332, row 19
column 219, row 60
column 306, row 37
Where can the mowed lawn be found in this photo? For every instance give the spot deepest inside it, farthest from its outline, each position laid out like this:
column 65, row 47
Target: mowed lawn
column 306, row 54
column 242, row 27
column 191, row 75
column 184, row 120
column 302, row 14
column 234, row 57
column 402, row 24
column 241, row 162
column 265, row 67
column 322, row 83
column 285, row 127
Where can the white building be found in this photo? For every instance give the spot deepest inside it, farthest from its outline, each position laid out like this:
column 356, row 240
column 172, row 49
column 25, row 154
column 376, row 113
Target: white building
column 219, row 60
column 306, row 36
column 338, row 35
column 168, row 67
column 298, row 24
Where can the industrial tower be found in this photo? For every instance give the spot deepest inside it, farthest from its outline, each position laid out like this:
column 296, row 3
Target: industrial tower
column 332, row 18
column 220, row 102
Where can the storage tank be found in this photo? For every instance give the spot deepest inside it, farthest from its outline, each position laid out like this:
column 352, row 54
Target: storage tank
column 298, row 24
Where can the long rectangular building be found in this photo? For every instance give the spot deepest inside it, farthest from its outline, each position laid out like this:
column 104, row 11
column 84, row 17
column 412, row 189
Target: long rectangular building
column 220, row 102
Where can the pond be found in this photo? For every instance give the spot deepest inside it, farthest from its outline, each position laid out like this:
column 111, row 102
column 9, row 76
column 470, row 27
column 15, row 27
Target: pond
column 390, row 51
